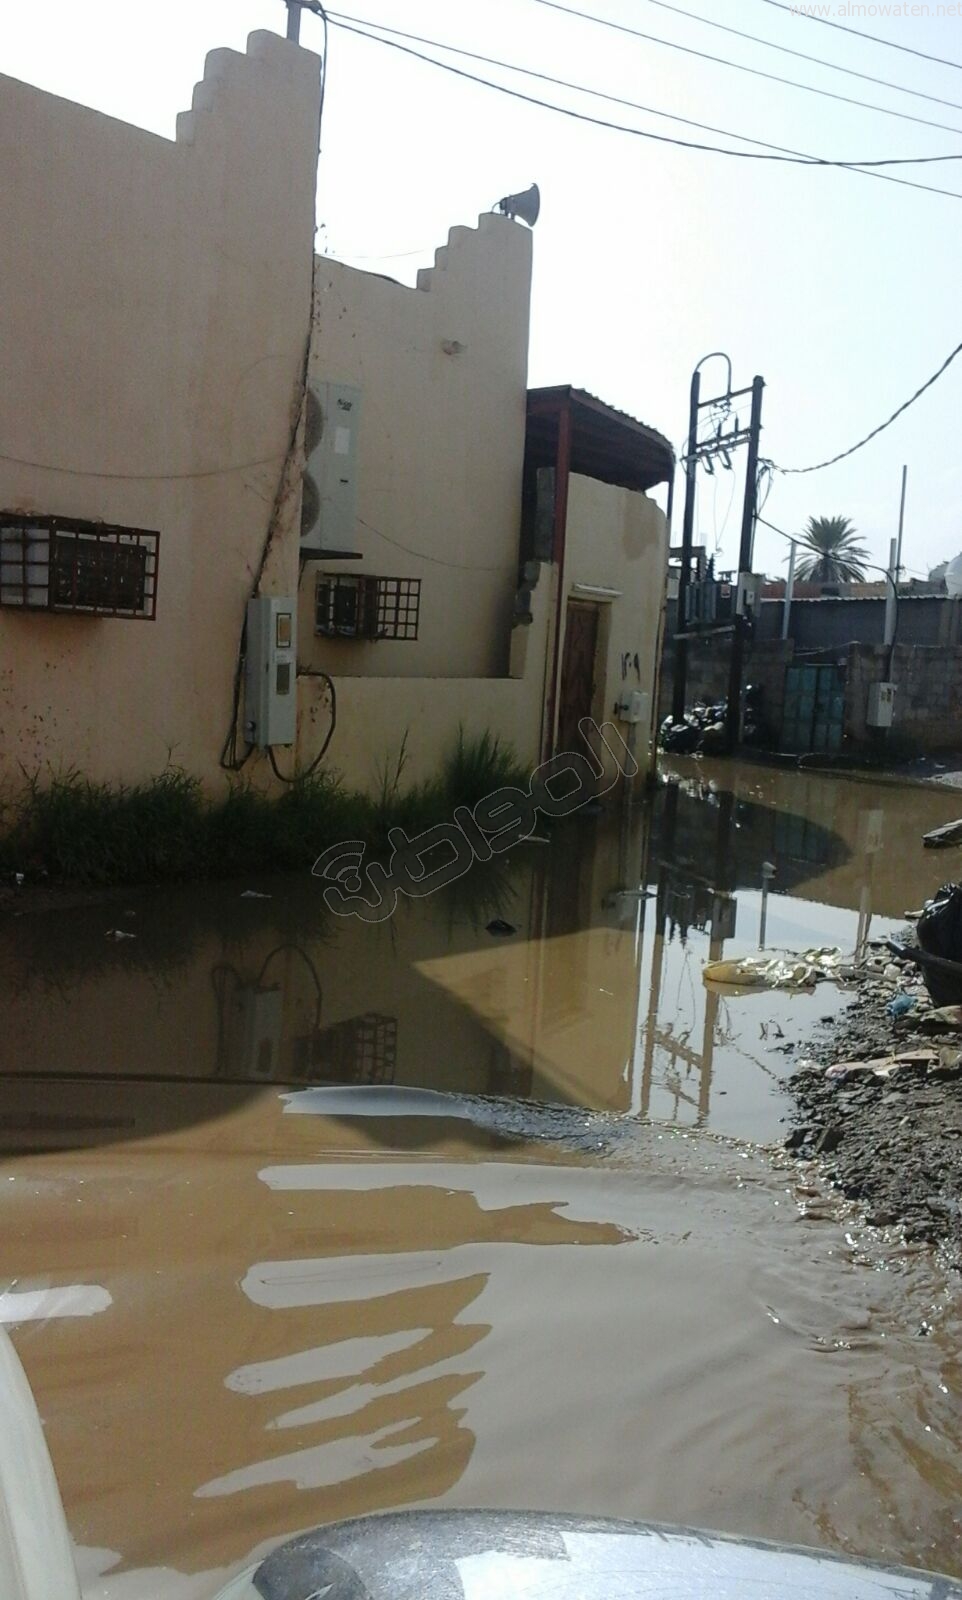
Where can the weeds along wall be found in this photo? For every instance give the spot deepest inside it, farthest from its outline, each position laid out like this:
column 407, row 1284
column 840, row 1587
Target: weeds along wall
column 154, row 320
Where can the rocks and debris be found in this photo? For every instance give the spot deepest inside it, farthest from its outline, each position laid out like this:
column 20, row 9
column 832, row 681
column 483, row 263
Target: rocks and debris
column 879, row 1104
column 254, row 894
column 784, row 971
column 939, row 838
column 499, row 929
column 943, row 1019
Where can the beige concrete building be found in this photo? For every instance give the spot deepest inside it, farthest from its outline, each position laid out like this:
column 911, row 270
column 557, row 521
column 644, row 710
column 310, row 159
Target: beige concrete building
column 478, row 556
column 154, row 321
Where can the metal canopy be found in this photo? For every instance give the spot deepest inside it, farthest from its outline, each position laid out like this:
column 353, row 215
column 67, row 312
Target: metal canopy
column 605, row 443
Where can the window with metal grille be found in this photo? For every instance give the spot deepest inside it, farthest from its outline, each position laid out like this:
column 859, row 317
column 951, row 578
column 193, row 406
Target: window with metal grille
column 67, row 565
column 349, row 606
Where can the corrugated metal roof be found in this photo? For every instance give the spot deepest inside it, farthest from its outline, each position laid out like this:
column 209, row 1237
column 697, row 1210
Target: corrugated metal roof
column 606, row 443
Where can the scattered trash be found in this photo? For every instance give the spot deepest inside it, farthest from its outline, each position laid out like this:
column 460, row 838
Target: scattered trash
column 938, row 838
column 901, row 1005
column 499, row 928
column 781, row 972
column 253, row 894
column 939, row 954
column 883, row 1066
column 118, row 933
column 701, row 729
column 946, row 1019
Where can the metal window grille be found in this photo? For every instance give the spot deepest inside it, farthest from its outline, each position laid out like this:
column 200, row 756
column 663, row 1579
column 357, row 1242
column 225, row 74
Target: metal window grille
column 88, row 568
column 361, row 1049
column 351, row 606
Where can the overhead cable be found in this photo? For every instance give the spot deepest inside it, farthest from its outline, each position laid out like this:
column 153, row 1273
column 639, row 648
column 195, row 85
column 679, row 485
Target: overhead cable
column 740, row 66
column 861, row 33
column 868, row 168
column 795, row 471
column 801, row 55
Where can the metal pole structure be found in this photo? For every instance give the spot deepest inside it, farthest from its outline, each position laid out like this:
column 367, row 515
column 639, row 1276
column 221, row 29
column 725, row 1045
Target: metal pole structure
column 687, row 539
column 294, row 20
column 789, row 590
column 745, row 549
column 895, row 562
column 898, row 553
column 890, row 593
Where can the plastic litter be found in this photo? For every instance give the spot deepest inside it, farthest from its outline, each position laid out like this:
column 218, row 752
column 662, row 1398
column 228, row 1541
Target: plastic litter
column 901, row 1005
column 883, row 1066
column 119, row 933
column 254, row 894
column 801, row 971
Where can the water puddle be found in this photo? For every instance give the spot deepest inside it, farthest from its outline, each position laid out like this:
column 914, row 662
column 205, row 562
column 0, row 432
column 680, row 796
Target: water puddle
column 304, row 1219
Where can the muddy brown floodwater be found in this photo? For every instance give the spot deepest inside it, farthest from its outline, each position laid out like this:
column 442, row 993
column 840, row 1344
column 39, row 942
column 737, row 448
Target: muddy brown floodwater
column 301, row 1219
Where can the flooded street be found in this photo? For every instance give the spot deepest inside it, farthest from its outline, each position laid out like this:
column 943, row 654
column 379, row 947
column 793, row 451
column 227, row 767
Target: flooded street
column 303, row 1218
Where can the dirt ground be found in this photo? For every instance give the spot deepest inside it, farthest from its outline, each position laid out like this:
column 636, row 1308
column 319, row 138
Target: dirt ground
column 889, row 1134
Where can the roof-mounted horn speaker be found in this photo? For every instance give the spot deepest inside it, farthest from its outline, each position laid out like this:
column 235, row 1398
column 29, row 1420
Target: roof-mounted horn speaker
column 523, row 207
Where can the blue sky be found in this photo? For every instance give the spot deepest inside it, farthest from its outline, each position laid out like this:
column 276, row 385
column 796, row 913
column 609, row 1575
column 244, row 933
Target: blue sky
column 841, row 290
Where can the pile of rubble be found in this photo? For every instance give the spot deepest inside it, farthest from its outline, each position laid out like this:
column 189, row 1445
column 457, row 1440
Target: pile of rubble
column 880, row 1103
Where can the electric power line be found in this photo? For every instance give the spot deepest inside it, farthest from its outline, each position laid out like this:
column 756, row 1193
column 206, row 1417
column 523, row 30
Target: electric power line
column 801, row 55
column 866, row 168
column 860, row 33
column 739, row 66
column 795, row 471
column 566, row 83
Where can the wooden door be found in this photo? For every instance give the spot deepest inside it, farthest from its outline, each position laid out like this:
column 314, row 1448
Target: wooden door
column 577, row 673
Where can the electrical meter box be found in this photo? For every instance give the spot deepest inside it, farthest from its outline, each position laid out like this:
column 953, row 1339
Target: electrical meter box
column 328, row 505
column 881, row 705
column 749, row 594
column 259, row 1016
column 633, row 706
column 270, row 684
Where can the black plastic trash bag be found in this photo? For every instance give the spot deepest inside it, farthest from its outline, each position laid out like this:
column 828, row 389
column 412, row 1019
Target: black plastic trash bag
column 939, row 931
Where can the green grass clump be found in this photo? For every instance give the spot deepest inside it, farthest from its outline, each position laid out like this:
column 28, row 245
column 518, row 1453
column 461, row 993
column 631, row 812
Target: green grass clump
column 164, row 829
column 476, row 767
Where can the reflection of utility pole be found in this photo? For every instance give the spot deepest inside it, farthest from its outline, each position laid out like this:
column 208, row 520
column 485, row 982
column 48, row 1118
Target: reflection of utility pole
column 768, row 873
column 733, row 721
column 870, row 832
column 721, row 928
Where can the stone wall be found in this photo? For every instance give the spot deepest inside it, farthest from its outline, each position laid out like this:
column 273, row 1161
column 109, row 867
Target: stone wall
column 928, row 696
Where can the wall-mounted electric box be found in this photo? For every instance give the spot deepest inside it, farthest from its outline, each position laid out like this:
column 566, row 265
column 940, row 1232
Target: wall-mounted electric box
column 749, row 594
column 258, row 1019
column 270, row 685
column 329, row 501
column 881, row 705
column 633, row 706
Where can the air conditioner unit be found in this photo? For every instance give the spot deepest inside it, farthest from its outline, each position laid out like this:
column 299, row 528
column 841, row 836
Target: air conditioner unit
column 329, row 499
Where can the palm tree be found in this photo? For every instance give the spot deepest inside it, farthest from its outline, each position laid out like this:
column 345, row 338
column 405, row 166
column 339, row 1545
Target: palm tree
column 838, row 555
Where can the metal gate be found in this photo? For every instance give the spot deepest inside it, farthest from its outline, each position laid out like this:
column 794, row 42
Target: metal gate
column 813, row 718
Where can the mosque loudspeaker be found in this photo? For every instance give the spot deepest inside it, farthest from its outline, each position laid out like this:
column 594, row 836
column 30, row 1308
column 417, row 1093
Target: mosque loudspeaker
column 524, row 206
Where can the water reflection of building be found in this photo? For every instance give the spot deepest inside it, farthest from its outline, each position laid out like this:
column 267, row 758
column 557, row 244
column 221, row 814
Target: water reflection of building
column 252, row 992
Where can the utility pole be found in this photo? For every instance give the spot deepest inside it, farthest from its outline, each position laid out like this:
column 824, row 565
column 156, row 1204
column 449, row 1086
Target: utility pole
column 789, row 590
column 745, row 550
column 680, row 684
column 294, row 20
